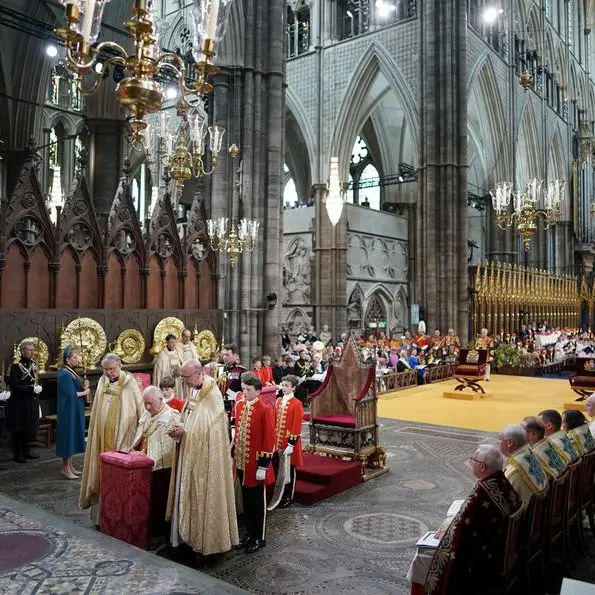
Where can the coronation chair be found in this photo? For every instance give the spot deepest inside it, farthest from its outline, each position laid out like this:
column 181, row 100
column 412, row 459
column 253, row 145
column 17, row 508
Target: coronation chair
column 343, row 414
column 471, row 369
column 583, row 381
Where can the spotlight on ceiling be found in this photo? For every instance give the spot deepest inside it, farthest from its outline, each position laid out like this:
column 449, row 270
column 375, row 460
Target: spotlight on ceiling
column 171, row 93
column 51, row 50
column 491, row 14
column 384, row 8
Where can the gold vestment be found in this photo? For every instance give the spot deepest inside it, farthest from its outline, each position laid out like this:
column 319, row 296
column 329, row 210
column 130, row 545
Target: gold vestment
column 152, row 438
column 114, row 419
column 201, row 503
column 169, row 363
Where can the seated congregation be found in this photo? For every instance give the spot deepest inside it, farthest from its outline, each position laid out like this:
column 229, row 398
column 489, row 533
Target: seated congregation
column 521, row 528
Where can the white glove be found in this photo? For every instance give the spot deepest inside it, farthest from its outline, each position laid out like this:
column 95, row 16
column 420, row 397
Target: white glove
column 288, row 450
column 37, row 389
column 261, row 473
column 4, row 396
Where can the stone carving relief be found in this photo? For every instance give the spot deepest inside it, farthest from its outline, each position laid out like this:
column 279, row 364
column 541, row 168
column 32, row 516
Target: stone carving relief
column 297, row 322
column 354, row 310
column 297, row 272
column 377, row 258
column 79, row 236
column 28, row 231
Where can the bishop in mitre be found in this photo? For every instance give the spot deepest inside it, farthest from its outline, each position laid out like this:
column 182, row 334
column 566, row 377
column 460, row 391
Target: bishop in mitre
column 187, row 353
column 114, row 420
column 168, row 363
column 201, row 503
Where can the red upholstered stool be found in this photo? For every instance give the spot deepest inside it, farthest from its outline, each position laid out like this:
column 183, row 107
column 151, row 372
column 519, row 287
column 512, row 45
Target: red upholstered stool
column 125, row 501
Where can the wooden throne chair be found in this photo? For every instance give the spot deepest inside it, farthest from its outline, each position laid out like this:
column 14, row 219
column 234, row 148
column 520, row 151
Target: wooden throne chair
column 583, row 381
column 470, row 369
column 343, row 414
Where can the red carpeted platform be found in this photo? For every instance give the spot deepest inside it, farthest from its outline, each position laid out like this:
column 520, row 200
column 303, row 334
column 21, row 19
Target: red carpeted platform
column 323, row 477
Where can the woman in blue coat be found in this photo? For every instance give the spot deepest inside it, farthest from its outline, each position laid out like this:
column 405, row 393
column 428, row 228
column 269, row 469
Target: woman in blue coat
column 70, row 433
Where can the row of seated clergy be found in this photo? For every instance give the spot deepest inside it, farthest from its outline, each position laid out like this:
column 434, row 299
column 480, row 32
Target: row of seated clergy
column 471, row 547
column 536, row 452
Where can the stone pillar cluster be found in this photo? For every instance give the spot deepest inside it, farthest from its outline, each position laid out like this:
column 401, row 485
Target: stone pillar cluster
column 249, row 103
column 442, row 210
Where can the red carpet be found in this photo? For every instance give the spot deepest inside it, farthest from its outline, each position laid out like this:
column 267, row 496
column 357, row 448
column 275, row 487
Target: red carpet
column 323, row 477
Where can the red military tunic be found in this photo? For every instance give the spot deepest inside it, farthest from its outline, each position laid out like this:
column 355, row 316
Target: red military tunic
column 254, row 440
column 288, row 422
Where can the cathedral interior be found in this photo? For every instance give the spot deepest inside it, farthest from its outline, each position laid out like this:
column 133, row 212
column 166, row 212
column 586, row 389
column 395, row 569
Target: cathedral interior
column 349, row 164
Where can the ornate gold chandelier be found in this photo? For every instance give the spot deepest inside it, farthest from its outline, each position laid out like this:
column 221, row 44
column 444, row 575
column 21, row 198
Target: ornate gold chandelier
column 182, row 150
column 139, row 91
column 231, row 238
column 526, row 206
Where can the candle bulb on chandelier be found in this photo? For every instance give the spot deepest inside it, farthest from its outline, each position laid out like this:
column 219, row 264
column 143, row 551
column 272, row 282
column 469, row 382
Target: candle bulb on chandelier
column 211, row 31
column 88, row 19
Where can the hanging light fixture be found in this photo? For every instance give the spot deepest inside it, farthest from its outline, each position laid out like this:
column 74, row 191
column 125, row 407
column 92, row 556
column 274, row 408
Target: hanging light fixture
column 228, row 236
column 139, row 92
column 334, row 199
column 242, row 236
column 528, row 206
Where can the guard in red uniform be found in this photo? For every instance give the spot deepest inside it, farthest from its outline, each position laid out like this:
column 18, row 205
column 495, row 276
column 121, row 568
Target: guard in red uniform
column 253, row 446
column 289, row 413
column 229, row 377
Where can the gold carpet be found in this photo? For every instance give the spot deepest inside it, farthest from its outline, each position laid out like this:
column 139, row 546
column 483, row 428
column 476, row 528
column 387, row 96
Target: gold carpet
column 510, row 399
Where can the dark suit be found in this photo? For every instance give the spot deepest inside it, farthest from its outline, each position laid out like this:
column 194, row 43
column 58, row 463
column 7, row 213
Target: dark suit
column 22, row 409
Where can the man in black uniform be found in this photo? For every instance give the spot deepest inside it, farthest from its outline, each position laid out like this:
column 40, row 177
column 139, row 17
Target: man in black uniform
column 22, row 410
column 229, row 381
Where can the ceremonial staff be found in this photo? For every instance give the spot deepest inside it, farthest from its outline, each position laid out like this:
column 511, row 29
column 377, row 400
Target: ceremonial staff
column 37, row 354
column 85, row 380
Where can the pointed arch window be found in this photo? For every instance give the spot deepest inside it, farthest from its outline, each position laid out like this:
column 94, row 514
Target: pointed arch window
column 376, row 314
column 486, row 19
column 364, row 179
column 298, row 29
column 64, row 91
column 290, row 195
column 353, row 18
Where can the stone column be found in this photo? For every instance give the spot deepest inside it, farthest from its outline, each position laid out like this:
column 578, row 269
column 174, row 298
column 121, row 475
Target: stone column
column 442, row 215
column 107, row 144
column 249, row 102
column 105, row 161
column 331, row 269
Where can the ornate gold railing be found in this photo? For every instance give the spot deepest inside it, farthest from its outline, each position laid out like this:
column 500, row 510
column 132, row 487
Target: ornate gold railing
column 508, row 295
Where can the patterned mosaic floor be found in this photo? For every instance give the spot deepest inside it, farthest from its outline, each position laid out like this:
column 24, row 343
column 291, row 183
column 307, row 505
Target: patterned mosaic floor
column 359, row 541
